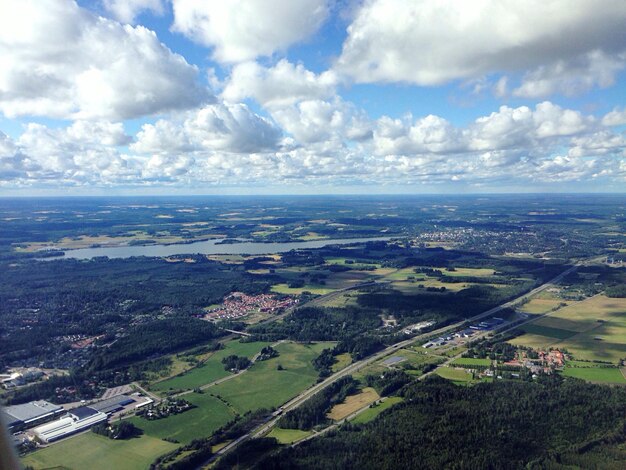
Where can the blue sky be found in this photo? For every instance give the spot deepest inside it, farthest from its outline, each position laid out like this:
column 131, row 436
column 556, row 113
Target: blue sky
column 311, row 96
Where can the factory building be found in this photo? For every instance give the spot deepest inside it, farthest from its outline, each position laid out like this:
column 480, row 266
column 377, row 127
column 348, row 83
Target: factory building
column 78, row 419
column 27, row 415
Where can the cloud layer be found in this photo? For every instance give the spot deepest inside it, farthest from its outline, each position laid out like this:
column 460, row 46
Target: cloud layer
column 249, row 114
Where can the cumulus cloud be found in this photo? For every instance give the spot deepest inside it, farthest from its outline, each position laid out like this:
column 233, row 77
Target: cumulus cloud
column 218, row 127
column 328, row 143
column 281, row 85
column 59, row 60
column 616, row 117
column 314, row 121
column 241, row 30
column 572, row 77
column 126, row 10
column 430, row 43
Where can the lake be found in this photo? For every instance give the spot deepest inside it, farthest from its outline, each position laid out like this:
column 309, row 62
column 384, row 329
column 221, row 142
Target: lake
column 208, row 247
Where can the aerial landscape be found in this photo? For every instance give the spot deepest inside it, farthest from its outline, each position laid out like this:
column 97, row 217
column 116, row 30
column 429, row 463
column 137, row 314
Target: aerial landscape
column 312, row 234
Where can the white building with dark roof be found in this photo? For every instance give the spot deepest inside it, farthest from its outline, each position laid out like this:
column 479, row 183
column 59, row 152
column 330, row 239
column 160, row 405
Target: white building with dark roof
column 78, row 419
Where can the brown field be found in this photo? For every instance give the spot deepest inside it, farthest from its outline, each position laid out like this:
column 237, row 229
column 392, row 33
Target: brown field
column 353, row 403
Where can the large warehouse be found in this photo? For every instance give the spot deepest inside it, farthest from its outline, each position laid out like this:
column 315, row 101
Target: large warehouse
column 18, row 417
column 76, row 420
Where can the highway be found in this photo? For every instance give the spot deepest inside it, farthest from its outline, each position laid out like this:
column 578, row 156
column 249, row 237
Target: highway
column 354, row 367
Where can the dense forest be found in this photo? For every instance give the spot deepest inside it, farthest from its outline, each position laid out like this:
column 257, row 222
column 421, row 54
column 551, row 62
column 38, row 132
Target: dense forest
column 500, row 425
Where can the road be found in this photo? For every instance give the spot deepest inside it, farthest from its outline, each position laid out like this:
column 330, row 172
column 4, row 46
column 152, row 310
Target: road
column 354, row 367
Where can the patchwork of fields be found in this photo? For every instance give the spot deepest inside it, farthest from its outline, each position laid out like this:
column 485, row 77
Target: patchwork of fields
column 591, row 330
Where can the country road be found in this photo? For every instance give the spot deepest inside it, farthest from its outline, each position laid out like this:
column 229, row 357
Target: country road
column 354, row 367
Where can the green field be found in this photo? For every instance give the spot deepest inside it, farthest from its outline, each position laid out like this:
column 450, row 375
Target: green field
column 541, row 330
column 263, row 386
column 288, row 436
column 209, row 415
column 313, row 289
column 470, row 361
column 608, row 375
column 374, row 410
column 94, row 452
column 212, row 369
column 456, row 375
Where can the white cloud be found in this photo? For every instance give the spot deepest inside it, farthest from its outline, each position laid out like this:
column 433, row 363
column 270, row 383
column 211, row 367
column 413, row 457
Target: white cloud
column 281, row 85
column 430, row 43
column 241, row 30
column 59, row 60
column 127, row 10
column 218, row 127
column 616, row 117
column 572, row 77
column 229, row 145
column 314, row 121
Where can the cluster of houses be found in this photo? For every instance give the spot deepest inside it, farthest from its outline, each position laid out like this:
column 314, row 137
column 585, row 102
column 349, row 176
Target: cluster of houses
column 546, row 361
column 18, row 378
column 238, row 305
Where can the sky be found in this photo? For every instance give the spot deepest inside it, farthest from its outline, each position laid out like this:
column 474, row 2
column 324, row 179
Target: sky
column 116, row 97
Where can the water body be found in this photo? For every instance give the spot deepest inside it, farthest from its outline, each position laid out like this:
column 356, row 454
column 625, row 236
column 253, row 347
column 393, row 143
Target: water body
column 209, row 247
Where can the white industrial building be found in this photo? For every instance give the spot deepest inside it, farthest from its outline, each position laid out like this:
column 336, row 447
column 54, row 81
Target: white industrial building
column 75, row 421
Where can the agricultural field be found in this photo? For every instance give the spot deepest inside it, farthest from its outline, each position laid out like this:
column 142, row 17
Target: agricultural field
column 343, row 360
column 608, row 375
column 544, row 302
column 94, row 452
column 456, row 375
column 470, row 362
column 313, row 289
column 374, row 410
column 590, row 330
column 212, row 369
column 288, row 436
column 353, row 403
column 264, row 386
column 209, row 415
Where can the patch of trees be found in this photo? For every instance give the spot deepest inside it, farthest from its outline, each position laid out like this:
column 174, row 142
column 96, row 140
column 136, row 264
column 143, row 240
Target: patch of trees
column 236, row 363
column 616, row 291
column 154, row 338
column 324, row 362
column 319, row 324
column 499, row 425
column 313, row 411
column 118, row 430
column 266, row 353
column 388, row 382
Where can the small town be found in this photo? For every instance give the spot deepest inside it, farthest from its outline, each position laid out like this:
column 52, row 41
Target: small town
column 238, row 305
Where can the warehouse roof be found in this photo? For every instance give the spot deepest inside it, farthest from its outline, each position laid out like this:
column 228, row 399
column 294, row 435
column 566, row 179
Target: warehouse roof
column 30, row 411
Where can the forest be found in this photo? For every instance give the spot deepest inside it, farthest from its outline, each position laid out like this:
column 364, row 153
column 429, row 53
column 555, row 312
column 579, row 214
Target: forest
column 499, row 425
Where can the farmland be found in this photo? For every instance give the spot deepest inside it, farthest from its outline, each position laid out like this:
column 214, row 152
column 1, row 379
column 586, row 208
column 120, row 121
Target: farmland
column 264, row 386
column 212, row 369
column 591, row 330
column 208, row 415
column 609, row 375
column 96, row 452
column 288, row 436
column 374, row 410
column 353, row 403
column 456, row 375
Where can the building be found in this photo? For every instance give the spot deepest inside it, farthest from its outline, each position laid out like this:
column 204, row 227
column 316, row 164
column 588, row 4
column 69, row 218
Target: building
column 18, row 417
column 78, row 419
column 113, row 404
